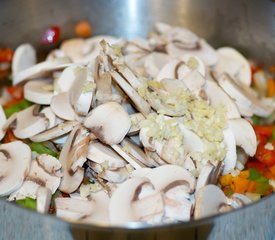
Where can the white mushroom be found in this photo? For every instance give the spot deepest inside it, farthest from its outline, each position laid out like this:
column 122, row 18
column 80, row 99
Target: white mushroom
column 29, row 122
column 102, row 154
column 40, row 69
column 72, row 157
column 15, row 159
column 135, row 118
column 73, row 209
column 55, row 132
column 244, row 135
column 43, row 199
column 39, row 91
column 209, row 200
column 52, row 118
column 233, row 63
column 24, row 57
column 128, row 203
column 62, row 107
column 3, row 120
column 109, row 122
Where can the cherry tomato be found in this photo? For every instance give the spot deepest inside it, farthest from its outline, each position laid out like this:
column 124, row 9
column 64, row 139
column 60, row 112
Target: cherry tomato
column 51, row 36
column 5, row 55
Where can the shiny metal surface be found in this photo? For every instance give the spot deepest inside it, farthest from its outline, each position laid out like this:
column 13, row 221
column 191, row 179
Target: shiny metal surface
column 248, row 25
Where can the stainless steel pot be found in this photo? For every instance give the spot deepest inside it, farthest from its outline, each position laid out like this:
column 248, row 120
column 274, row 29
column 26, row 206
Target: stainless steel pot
column 248, row 25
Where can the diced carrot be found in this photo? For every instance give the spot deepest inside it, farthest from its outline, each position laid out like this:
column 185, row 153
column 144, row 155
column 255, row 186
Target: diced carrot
column 9, row 137
column 268, row 174
column 83, row 29
column 270, row 90
column 251, row 187
column 272, row 169
column 244, row 174
column 240, row 184
column 16, row 92
column 225, row 180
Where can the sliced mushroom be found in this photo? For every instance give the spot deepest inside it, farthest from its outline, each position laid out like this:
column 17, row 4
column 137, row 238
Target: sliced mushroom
column 204, row 176
column 245, row 97
column 102, row 154
column 218, row 97
column 29, row 122
column 40, row 69
column 136, row 118
column 72, row 157
column 82, row 91
column 62, row 107
column 73, row 209
column 24, row 57
column 174, row 175
column 109, row 122
column 43, row 199
column 39, row 91
column 41, row 174
column 141, row 172
column 244, row 135
column 233, row 63
column 55, row 132
column 135, row 200
column 3, row 120
column 14, row 166
column 209, row 199
column 52, row 118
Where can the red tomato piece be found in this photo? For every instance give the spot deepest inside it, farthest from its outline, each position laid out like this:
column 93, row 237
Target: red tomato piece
column 265, row 155
column 52, row 35
column 6, row 55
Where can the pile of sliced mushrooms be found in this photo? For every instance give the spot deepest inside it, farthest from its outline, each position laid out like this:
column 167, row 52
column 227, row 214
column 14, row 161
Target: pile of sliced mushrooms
column 149, row 124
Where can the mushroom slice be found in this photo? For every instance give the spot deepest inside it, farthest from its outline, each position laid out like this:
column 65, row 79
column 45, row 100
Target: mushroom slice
column 245, row 97
column 218, row 97
column 136, row 153
column 43, row 199
column 100, row 214
column 135, row 200
column 140, row 104
column 166, row 176
column 62, row 107
column 30, row 122
column 23, row 58
column 135, row 118
column 238, row 200
column 72, row 157
column 52, row 118
column 55, row 132
column 102, row 154
column 82, row 91
column 204, row 176
column 40, row 69
column 154, row 158
column 209, row 199
column 244, row 135
column 39, row 91
column 230, row 159
column 109, row 122
column 15, row 159
column 203, row 51
column 39, row 175
column 154, row 62
column 141, row 172
column 3, row 121
column 233, row 63
column 73, row 208
column 118, row 175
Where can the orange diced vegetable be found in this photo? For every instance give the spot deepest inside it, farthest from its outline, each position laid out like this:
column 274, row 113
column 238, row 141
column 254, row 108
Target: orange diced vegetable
column 83, row 29
column 270, row 90
column 251, row 187
column 9, row 137
column 240, row 185
column 6, row 55
column 272, row 169
column 225, row 180
column 244, row 174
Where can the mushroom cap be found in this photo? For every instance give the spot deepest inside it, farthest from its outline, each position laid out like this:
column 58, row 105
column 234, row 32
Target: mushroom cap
column 39, row 91
column 29, row 122
column 244, row 135
column 3, row 120
column 100, row 153
column 24, row 57
column 109, row 122
column 208, row 201
column 235, row 64
column 14, row 166
column 62, row 107
column 40, row 69
column 168, row 176
column 52, row 118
